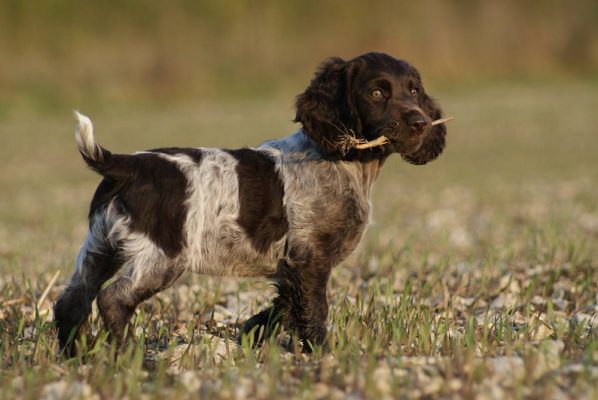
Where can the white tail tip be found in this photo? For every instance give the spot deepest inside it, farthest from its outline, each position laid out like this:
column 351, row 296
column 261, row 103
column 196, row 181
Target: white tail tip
column 84, row 136
column 82, row 119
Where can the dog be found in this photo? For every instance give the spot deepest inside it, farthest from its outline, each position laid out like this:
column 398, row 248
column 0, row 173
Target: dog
column 289, row 210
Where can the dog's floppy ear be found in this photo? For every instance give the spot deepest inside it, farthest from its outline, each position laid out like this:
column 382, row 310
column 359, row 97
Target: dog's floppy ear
column 324, row 109
column 434, row 142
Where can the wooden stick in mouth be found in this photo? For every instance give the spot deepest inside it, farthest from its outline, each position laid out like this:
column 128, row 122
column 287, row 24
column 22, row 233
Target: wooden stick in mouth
column 361, row 144
column 442, row 120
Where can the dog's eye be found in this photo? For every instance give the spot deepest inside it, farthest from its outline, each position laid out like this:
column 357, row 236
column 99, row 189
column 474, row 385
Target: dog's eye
column 377, row 94
column 414, row 92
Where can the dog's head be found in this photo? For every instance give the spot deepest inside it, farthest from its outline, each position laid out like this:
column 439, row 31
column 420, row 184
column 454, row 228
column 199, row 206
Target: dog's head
column 367, row 97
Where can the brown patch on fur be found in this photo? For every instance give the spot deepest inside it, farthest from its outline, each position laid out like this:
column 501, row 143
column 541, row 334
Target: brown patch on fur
column 152, row 191
column 262, row 215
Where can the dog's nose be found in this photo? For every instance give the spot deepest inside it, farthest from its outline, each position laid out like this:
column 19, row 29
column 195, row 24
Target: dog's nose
column 417, row 122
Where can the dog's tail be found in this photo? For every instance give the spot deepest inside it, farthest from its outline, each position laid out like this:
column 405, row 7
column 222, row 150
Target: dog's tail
column 97, row 157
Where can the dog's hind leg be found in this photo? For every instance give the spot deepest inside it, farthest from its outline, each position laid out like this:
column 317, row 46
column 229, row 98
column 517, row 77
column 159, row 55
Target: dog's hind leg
column 117, row 302
column 97, row 262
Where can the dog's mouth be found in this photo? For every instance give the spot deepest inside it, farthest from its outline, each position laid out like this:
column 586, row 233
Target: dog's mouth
column 399, row 130
column 390, row 132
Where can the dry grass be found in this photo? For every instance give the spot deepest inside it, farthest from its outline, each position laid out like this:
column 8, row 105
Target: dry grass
column 478, row 278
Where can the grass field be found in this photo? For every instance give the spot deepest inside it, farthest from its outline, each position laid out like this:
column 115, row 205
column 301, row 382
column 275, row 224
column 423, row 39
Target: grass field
column 478, row 277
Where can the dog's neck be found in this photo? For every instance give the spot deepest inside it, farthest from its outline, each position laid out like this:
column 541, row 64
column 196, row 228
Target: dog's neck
column 370, row 171
column 298, row 148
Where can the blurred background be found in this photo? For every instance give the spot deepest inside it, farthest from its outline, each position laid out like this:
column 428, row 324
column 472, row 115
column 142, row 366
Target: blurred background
column 70, row 53
column 521, row 79
column 497, row 236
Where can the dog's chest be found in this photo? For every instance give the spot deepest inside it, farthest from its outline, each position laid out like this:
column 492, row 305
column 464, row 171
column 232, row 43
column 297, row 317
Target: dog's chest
column 328, row 208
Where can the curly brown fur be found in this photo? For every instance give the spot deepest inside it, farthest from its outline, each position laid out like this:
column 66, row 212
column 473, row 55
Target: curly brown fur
column 339, row 100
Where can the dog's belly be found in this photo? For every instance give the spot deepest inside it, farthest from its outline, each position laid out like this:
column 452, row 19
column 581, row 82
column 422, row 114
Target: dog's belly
column 221, row 248
column 232, row 266
column 226, row 252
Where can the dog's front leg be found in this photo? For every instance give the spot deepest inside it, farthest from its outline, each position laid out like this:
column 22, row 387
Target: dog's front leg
column 302, row 297
column 301, row 306
column 262, row 325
